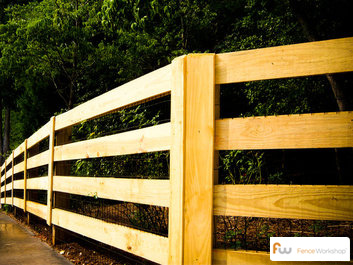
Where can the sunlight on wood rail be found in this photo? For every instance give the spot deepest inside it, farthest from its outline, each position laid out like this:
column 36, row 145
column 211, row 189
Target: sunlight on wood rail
column 312, row 58
column 39, row 183
column 145, row 191
column 285, row 201
column 150, row 139
column 194, row 136
column 37, row 209
column 318, row 130
column 137, row 242
column 145, row 87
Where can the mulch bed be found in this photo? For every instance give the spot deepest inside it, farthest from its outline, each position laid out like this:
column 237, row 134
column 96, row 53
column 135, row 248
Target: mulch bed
column 252, row 233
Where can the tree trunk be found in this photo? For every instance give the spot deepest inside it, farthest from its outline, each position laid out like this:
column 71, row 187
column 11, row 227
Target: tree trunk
column 6, row 142
column 336, row 87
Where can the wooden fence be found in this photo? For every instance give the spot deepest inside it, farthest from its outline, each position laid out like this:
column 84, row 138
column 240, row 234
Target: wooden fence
column 194, row 136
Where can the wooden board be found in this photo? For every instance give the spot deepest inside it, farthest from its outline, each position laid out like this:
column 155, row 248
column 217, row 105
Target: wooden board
column 145, row 191
column 19, row 150
column 150, row 139
column 177, row 156
column 38, row 160
column 8, row 186
column 37, row 209
column 51, row 170
column 12, row 170
column 18, row 202
column 5, row 177
column 137, row 242
column 199, row 158
column 318, row 130
column 40, row 183
column 38, row 136
column 19, row 167
column 8, row 160
column 18, row 184
column 9, row 175
column 312, row 58
column 285, row 201
column 25, row 177
column 148, row 86
column 223, row 257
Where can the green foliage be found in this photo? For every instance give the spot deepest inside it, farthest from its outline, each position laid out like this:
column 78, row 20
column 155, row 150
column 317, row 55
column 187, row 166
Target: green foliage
column 243, row 167
column 150, row 165
column 55, row 54
column 7, row 208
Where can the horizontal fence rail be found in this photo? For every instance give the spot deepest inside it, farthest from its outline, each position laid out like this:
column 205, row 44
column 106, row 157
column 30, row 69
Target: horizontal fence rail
column 194, row 136
column 285, row 201
column 313, row 58
column 145, row 191
column 318, row 130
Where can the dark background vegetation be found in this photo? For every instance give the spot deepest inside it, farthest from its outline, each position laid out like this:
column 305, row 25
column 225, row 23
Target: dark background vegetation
column 55, row 54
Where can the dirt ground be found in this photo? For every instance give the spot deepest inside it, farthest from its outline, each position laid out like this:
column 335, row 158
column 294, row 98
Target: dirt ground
column 77, row 250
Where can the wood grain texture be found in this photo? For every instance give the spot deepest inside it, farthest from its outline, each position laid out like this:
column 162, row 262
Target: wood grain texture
column 9, row 175
column 12, row 170
column 38, row 160
column 318, row 130
column 150, row 139
column 9, row 160
column 285, row 201
column 50, row 170
column 145, row 87
column 18, row 202
column 19, row 167
column 137, row 242
column 5, row 177
column 18, row 184
column 145, row 191
column 37, row 209
column 177, row 157
column 312, row 58
column 224, row 257
column 19, row 150
column 25, row 177
column 39, row 135
column 8, row 186
column 199, row 158
column 40, row 183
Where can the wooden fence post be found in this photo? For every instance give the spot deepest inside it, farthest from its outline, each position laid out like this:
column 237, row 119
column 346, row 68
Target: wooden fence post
column 62, row 137
column 25, row 177
column 0, row 186
column 50, row 170
column 12, row 171
column 192, row 159
column 5, row 183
